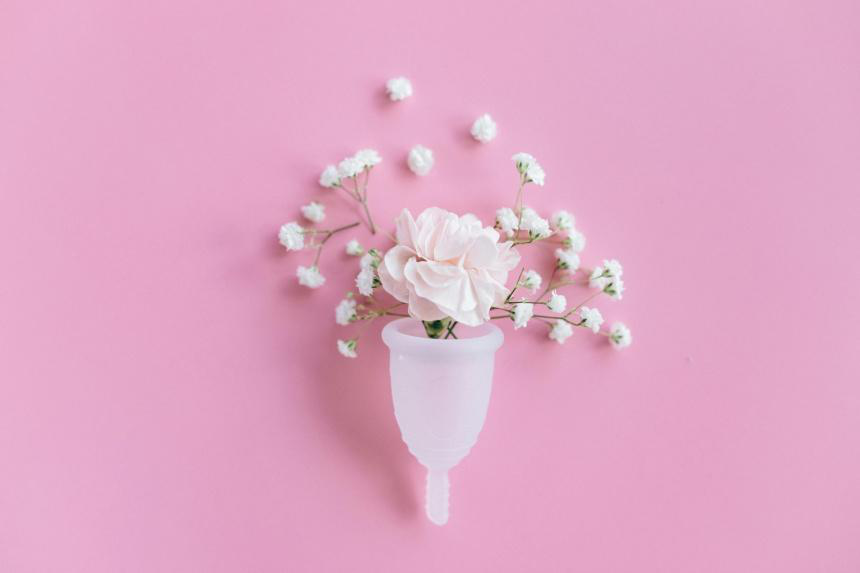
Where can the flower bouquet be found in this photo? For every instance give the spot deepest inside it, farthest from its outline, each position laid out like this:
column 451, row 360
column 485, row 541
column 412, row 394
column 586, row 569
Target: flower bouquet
column 446, row 279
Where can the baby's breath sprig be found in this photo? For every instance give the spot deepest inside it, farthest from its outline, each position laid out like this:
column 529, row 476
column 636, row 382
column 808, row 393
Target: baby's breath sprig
column 349, row 311
column 350, row 169
column 294, row 237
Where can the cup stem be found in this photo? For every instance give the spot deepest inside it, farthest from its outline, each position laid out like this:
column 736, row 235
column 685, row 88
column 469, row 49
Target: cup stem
column 438, row 488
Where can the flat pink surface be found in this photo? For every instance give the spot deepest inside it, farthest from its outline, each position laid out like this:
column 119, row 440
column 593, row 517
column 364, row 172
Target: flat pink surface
column 170, row 400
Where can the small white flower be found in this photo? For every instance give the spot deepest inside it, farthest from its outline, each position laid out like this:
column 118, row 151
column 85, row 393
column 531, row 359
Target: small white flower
column 537, row 226
column 310, row 277
column 314, row 212
column 602, row 276
column 366, row 280
column 506, row 220
column 420, row 160
column 398, row 88
column 614, row 288
column 598, row 279
column 292, row 236
column 567, row 259
column 348, row 347
column 368, row 157
column 530, row 168
column 370, row 260
column 531, row 280
column 350, row 167
column 562, row 221
column 561, row 331
column 540, row 229
column 329, row 177
column 591, row 318
column 522, row 313
column 484, row 129
column 354, row 248
column 613, row 268
column 557, row 302
column 523, row 160
column 575, row 241
column 619, row 336
column 345, row 313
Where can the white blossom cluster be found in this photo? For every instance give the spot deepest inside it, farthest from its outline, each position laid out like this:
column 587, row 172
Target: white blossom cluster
column 530, row 170
column 607, row 277
column 519, row 226
column 367, row 279
column 363, row 160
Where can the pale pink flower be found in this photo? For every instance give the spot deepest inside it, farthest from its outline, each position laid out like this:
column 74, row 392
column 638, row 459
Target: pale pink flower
column 447, row 265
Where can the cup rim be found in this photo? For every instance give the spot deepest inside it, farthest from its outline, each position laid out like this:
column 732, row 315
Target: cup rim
column 396, row 339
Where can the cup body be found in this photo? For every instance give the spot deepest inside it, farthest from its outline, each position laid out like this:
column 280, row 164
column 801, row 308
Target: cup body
column 441, row 391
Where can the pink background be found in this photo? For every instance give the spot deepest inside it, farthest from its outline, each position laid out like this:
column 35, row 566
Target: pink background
column 170, row 400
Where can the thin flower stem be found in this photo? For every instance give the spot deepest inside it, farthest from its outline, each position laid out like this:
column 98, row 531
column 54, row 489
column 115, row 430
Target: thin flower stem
column 359, row 194
column 369, row 218
column 577, row 307
column 451, row 329
column 564, row 318
column 348, row 191
column 366, row 179
column 549, row 283
column 516, row 284
column 328, row 235
column 519, row 203
column 343, row 228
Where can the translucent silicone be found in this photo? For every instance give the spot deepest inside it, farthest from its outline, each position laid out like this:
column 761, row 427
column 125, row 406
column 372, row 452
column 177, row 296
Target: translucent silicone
column 441, row 390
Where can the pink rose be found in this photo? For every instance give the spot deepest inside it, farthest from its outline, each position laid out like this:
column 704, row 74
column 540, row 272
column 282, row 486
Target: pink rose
column 446, row 265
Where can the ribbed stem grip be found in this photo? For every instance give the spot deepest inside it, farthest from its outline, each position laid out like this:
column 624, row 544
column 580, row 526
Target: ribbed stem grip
column 438, row 488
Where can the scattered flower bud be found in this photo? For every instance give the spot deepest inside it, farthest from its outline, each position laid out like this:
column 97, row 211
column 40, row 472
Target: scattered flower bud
column 354, row 248
column 420, row 160
column 484, row 129
column 314, row 212
column 345, row 313
column 619, row 336
column 561, row 331
column 329, row 177
column 398, row 88
column 292, row 236
column 557, row 302
column 310, row 277
column 591, row 318
column 348, row 347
